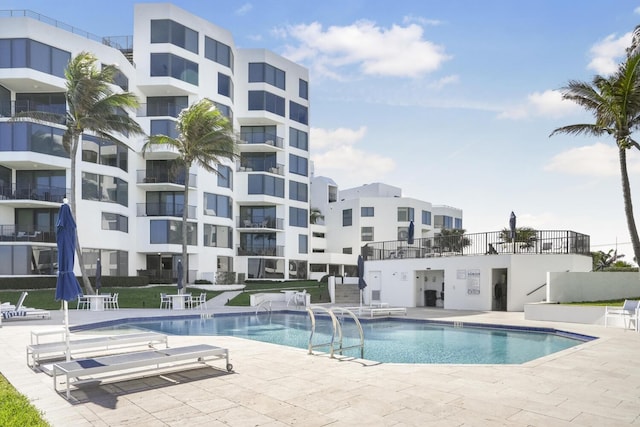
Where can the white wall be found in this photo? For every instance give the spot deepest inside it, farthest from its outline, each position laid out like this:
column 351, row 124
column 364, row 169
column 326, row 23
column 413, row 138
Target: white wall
column 592, row 286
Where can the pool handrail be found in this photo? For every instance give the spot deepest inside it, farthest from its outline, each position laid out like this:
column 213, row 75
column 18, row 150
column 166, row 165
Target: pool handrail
column 336, row 330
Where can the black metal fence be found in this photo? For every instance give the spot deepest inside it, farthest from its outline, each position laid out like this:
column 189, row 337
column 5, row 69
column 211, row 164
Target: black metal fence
column 488, row 243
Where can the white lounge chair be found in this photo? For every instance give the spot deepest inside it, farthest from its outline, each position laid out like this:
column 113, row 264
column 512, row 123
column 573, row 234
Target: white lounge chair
column 155, row 360
column 629, row 313
column 19, row 311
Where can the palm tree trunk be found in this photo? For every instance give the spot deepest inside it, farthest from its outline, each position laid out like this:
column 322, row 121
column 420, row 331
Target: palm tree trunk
column 185, row 261
column 628, row 206
column 72, row 201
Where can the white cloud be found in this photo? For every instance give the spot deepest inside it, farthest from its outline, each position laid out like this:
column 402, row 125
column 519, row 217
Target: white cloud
column 409, row 19
column 636, row 10
column 336, row 155
column 599, row 160
column 607, row 53
column 244, row 9
column 396, row 51
column 444, row 81
column 547, row 104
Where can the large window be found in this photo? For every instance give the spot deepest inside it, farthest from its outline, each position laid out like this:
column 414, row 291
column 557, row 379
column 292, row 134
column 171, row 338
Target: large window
column 259, row 134
column 225, row 86
column 267, row 185
column 405, row 214
column 169, row 65
column 164, row 127
column 366, row 234
column 367, row 211
column 265, row 268
column 225, row 178
column 217, row 205
column 46, row 102
column 30, row 221
column 303, row 245
column 218, row 52
column 298, row 165
column 114, row 262
column 47, row 185
column 298, row 139
column 113, row 221
column 165, row 203
column 26, row 53
column 426, row 217
column 263, row 162
column 443, row 221
column 105, row 188
column 303, row 89
column 258, row 216
column 34, row 137
column 218, row 236
column 168, row 31
column 457, row 223
column 262, row 72
column 104, row 152
column 166, row 105
column 259, row 244
column 170, row 232
column 298, row 217
column 347, row 217
column 298, row 191
column 267, row 101
column 299, row 113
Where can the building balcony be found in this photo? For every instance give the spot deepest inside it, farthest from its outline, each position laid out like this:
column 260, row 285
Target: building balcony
column 54, row 113
column 260, row 223
column 164, row 178
column 18, row 233
column 488, row 243
column 163, row 209
column 18, row 193
column 275, row 251
column 277, row 169
column 260, row 141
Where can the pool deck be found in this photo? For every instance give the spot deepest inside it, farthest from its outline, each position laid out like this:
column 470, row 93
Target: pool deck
column 593, row 384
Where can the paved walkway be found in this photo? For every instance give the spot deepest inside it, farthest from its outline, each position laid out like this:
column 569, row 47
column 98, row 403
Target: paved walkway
column 593, row 384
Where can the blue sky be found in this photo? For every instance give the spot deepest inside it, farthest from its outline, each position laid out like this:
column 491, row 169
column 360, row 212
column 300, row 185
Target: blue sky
column 453, row 101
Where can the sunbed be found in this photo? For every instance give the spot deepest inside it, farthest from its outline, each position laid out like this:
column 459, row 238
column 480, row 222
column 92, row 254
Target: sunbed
column 41, row 351
column 151, row 360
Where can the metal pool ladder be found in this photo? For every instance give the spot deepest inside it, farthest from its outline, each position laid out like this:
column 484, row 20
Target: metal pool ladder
column 336, row 343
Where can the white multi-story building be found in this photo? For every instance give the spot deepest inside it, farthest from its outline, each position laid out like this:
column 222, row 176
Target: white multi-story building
column 375, row 212
column 251, row 218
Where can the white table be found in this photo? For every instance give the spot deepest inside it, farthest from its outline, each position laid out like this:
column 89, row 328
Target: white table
column 96, row 302
column 288, row 296
column 178, row 301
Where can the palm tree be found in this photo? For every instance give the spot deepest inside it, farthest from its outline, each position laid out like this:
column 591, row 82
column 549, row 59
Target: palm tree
column 205, row 137
column 527, row 236
column 615, row 104
column 92, row 105
column 602, row 260
column 452, row 240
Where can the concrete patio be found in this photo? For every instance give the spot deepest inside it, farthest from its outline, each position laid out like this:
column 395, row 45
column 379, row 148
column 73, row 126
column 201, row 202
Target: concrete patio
column 594, row 384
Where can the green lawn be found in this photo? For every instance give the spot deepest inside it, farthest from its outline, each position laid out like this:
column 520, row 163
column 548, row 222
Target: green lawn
column 16, row 410
column 611, row 302
column 144, row 297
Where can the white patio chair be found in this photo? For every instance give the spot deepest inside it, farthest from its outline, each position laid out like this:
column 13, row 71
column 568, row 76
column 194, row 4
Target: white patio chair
column 83, row 303
column 165, row 301
column 111, row 303
column 188, row 301
column 628, row 313
column 301, row 298
column 202, row 301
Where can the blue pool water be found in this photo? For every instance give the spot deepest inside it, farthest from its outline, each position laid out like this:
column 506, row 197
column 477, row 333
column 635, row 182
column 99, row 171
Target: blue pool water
column 390, row 341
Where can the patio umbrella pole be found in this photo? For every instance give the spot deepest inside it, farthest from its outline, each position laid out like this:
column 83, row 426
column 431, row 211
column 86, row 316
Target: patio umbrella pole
column 65, row 305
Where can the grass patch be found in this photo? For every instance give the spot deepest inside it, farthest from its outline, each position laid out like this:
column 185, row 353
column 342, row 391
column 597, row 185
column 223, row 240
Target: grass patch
column 319, row 291
column 610, row 302
column 143, row 297
column 16, row 410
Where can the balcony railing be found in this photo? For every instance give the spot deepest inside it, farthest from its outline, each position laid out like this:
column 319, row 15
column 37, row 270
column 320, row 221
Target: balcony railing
column 26, row 192
column 489, row 243
column 56, row 113
column 276, row 251
column 261, row 138
column 162, row 209
column 143, row 176
column 18, row 233
column 277, row 169
column 269, row 223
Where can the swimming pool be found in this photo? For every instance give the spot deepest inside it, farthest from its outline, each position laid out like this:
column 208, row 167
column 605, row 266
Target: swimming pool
column 386, row 340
